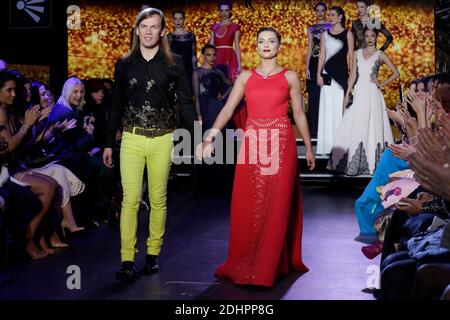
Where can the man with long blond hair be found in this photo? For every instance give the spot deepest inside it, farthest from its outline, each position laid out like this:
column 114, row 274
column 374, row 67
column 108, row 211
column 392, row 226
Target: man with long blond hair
column 149, row 81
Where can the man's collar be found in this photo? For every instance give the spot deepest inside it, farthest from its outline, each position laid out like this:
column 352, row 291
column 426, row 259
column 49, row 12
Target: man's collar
column 158, row 56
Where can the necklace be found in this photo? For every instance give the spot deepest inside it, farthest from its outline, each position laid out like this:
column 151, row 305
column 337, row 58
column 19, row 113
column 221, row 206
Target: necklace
column 221, row 30
column 266, row 74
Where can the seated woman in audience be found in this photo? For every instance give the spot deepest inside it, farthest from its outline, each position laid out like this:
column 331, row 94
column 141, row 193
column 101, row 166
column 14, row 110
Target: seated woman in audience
column 43, row 187
column 429, row 160
column 107, row 179
column 68, row 108
column 368, row 206
column 66, row 183
column 399, row 268
column 41, row 94
column 419, row 201
column 64, row 137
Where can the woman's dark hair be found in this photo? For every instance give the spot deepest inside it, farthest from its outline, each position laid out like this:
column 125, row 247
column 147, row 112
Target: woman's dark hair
column 225, row 3
column 207, row 46
column 20, row 104
column 372, row 29
column 35, row 97
column 180, row 12
column 271, row 29
column 366, row 2
column 340, row 12
column 318, row 4
column 6, row 76
column 424, row 82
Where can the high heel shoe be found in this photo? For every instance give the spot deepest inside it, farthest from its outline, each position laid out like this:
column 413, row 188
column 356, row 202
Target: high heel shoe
column 56, row 243
column 65, row 226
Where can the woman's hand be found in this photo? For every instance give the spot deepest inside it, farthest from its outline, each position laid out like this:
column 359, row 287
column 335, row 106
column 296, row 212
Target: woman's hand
column 374, row 79
column 411, row 207
column 418, row 104
column 395, row 116
column 66, row 125
column 204, row 149
column 402, row 151
column 45, row 113
column 319, row 80
column 31, row 116
column 310, row 160
column 430, row 175
column 430, row 146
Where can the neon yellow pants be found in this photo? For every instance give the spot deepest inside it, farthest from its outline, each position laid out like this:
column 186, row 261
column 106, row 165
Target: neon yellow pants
column 136, row 152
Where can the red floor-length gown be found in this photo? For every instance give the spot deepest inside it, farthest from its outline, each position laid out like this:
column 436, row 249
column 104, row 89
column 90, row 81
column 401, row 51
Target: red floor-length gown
column 266, row 208
column 225, row 55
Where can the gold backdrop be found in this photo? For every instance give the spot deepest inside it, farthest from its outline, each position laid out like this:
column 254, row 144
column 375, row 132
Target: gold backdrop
column 105, row 30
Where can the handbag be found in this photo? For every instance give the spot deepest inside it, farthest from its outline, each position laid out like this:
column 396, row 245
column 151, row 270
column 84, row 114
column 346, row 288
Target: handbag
column 326, row 79
column 350, row 101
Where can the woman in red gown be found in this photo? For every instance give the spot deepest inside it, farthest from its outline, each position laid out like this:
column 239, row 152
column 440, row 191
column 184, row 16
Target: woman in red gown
column 266, row 209
column 223, row 36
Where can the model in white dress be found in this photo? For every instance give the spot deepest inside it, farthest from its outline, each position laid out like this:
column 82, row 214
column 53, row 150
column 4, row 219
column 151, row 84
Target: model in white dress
column 332, row 96
column 365, row 130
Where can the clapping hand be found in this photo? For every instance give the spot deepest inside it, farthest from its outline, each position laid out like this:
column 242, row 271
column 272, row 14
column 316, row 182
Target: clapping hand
column 418, row 104
column 402, row 151
column 66, row 125
column 45, row 113
column 32, row 115
column 432, row 176
column 396, row 114
column 430, row 146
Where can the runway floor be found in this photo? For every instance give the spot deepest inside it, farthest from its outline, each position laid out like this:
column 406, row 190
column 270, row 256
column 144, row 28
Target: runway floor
column 195, row 243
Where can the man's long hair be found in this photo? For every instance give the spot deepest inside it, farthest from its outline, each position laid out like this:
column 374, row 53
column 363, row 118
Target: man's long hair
column 163, row 42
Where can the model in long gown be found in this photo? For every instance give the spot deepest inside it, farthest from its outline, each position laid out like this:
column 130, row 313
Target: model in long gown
column 186, row 46
column 266, row 208
column 311, row 84
column 210, row 83
column 224, row 36
column 332, row 96
column 365, row 130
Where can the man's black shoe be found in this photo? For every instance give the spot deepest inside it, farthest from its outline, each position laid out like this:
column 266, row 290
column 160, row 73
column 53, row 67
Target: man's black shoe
column 127, row 272
column 151, row 265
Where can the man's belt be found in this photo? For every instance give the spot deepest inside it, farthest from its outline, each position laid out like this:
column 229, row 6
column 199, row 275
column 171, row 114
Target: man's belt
column 149, row 133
